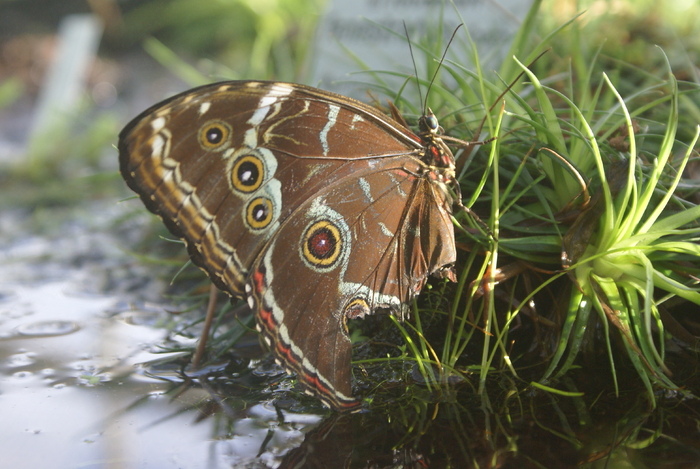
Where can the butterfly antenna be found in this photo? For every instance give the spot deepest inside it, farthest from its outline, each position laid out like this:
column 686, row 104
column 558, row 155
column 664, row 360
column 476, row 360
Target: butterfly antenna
column 415, row 69
column 442, row 59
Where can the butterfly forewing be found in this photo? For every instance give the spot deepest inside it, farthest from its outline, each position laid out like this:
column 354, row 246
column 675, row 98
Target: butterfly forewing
column 317, row 207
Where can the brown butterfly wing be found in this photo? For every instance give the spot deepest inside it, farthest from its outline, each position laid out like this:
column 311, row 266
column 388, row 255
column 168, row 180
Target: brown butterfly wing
column 240, row 169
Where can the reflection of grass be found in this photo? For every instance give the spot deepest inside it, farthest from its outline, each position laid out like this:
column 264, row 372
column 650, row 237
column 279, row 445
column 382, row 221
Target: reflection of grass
column 500, row 428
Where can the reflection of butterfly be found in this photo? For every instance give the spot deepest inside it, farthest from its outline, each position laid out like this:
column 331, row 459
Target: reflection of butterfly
column 316, row 207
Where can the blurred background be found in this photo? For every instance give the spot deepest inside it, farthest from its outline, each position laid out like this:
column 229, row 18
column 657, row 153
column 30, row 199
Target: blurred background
column 112, row 58
column 72, row 72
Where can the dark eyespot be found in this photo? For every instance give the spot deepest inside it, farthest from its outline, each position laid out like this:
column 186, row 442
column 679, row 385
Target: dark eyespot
column 322, row 244
column 247, row 173
column 259, row 213
column 356, row 308
column 214, row 135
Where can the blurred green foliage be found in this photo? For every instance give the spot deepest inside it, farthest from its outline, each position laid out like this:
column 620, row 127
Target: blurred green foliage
column 254, row 38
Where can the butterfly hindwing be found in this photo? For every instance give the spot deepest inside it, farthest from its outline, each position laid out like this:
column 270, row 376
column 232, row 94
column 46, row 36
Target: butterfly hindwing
column 368, row 242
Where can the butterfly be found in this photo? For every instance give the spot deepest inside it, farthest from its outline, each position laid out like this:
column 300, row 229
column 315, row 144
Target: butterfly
column 315, row 207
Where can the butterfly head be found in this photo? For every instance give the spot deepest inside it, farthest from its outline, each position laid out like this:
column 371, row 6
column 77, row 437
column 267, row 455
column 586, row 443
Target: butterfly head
column 428, row 124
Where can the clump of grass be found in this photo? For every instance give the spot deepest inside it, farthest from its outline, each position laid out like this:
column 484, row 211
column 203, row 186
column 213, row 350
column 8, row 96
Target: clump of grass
column 588, row 234
column 638, row 247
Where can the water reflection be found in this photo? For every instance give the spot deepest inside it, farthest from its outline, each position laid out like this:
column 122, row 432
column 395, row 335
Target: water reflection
column 47, row 328
column 505, row 428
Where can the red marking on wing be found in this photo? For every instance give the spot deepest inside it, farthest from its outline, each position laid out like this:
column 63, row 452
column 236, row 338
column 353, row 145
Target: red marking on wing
column 264, row 313
column 285, row 353
column 259, row 281
column 316, row 383
column 312, row 380
column 267, row 319
column 403, row 174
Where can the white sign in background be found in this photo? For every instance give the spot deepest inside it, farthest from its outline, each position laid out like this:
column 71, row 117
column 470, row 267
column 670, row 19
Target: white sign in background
column 354, row 26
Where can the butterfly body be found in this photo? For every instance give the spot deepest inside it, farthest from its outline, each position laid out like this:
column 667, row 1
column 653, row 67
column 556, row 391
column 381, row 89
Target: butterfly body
column 315, row 207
